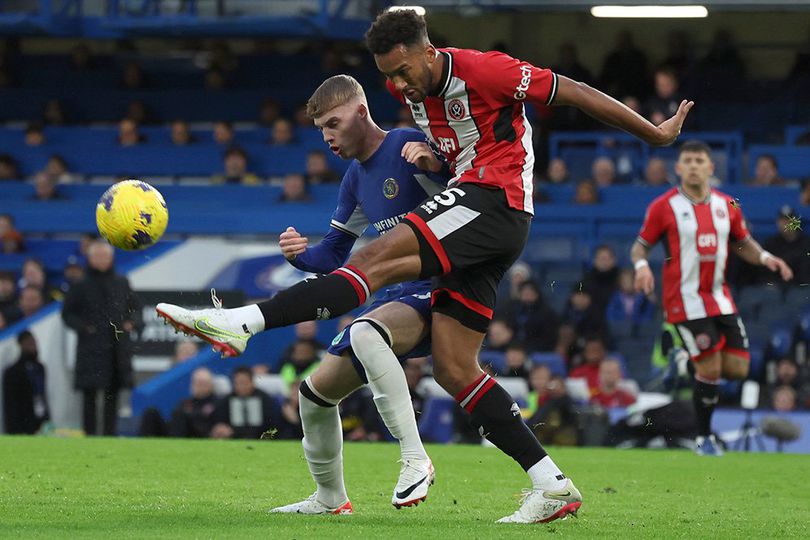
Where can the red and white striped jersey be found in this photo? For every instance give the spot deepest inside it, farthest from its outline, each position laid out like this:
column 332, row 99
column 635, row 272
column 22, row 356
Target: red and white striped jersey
column 478, row 121
column 696, row 242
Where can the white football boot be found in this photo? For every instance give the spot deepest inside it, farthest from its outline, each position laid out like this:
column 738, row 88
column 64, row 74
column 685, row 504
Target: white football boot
column 542, row 506
column 311, row 505
column 213, row 325
column 415, row 478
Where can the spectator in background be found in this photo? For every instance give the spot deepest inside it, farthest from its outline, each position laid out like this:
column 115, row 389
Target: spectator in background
column 11, row 240
column 784, row 399
column 602, row 279
column 318, row 171
column 53, row 113
column 557, row 172
column 788, row 375
column 194, row 417
column 301, row 118
column 34, row 275
column 215, row 79
column 25, row 401
column 132, row 77
column 722, row 70
column 499, row 335
column 30, row 301
column 566, row 342
column 308, row 331
column 8, row 168
column 517, row 361
column 302, row 361
column 665, row 100
column 404, row 118
column 128, row 134
column 223, row 133
column 181, row 133
column 628, row 305
column 678, row 56
column 3, row 323
column 633, row 104
column 593, row 353
column 624, row 72
column 247, row 412
column 34, row 134
column 282, row 132
column 57, row 168
column 8, row 292
column 185, row 349
column 539, row 392
column 138, row 112
column 81, row 58
column 766, row 172
column 603, row 172
column 359, row 417
column 269, row 112
column 290, row 421
column 804, row 194
column 556, row 420
column 294, row 189
column 46, row 188
column 656, row 173
column 583, row 315
column 586, row 193
column 568, row 64
column 608, row 394
column 518, row 274
column 235, row 163
column 535, row 323
column 103, row 311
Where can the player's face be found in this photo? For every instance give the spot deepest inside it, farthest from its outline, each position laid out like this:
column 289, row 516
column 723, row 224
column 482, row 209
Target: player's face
column 342, row 130
column 694, row 168
column 410, row 69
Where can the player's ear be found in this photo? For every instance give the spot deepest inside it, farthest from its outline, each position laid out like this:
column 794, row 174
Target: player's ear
column 431, row 53
column 362, row 110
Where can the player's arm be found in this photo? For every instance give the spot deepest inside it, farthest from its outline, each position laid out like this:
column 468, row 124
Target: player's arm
column 644, row 278
column 614, row 113
column 751, row 252
column 322, row 258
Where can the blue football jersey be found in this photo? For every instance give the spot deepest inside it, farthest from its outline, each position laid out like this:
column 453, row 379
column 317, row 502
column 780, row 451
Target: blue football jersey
column 379, row 191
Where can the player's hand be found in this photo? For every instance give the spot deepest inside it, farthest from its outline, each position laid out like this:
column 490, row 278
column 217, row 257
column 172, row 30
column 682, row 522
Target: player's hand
column 669, row 129
column 644, row 281
column 292, row 244
column 775, row 264
column 422, row 156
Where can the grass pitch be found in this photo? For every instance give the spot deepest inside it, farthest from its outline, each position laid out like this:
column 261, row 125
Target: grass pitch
column 69, row 488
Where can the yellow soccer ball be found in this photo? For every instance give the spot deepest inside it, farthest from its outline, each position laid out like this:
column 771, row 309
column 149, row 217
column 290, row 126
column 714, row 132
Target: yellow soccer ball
column 132, row 215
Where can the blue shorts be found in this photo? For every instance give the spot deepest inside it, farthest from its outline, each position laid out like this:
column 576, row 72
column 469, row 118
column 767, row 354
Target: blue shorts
column 413, row 293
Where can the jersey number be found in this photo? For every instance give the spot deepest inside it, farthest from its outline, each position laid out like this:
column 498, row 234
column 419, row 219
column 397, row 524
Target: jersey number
column 445, row 198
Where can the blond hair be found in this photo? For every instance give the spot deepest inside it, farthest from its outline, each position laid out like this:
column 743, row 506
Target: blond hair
column 334, row 92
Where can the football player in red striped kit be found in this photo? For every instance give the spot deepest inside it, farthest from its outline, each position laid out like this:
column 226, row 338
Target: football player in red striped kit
column 470, row 106
column 700, row 226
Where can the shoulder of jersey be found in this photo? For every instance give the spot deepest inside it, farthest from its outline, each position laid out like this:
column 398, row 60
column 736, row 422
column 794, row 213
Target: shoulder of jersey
column 408, row 134
column 665, row 196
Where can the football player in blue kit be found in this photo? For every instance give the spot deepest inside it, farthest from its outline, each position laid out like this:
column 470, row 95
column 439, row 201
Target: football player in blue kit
column 379, row 189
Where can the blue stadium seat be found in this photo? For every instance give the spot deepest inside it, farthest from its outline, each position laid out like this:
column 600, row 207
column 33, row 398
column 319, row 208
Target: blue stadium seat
column 436, row 421
column 554, row 362
column 495, row 359
column 781, row 340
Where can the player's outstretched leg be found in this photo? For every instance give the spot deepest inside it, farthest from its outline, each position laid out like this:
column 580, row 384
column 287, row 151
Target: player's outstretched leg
column 497, row 417
column 323, row 449
column 372, row 342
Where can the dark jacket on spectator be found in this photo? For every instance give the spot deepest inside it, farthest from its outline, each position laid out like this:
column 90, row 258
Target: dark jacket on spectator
column 96, row 309
column 25, row 404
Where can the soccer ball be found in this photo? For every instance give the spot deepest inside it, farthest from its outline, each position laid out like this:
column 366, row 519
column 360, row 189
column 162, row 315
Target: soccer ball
column 132, row 215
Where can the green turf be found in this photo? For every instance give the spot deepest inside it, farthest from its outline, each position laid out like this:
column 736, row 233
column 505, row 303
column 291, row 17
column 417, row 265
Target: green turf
column 116, row 488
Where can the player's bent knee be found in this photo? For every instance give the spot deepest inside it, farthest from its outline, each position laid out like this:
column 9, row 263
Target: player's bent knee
column 366, row 336
column 309, row 397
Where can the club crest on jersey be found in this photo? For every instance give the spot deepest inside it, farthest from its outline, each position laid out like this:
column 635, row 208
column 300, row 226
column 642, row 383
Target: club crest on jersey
column 456, row 109
column 390, row 188
column 720, row 214
column 703, row 341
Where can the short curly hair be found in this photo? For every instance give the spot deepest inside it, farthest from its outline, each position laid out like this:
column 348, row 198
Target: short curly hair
column 391, row 28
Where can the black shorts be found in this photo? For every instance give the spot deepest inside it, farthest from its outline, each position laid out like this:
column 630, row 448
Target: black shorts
column 702, row 337
column 468, row 238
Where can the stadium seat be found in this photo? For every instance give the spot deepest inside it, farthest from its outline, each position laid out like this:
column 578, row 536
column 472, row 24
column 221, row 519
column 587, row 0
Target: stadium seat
column 495, row 359
column 517, row 387
column 222, row 385
column 554, row 362
column 781, row 340
column 271, row 384
column 436, row 421
column 751, row 300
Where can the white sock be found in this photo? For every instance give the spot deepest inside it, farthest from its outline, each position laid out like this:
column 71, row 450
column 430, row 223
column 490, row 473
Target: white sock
column 250, row 315
column 389, row 386
column 323, row 449
column 546, row 475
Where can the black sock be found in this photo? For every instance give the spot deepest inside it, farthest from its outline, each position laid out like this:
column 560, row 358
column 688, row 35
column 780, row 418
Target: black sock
column 497, row 417
column 323, row 297
column 705, row 397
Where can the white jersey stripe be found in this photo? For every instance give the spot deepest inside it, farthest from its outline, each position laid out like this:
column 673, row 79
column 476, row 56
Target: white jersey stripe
column 686, row 220
column 527, row 175
column 722, row 226
column 451, row 221
column 475, row 391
